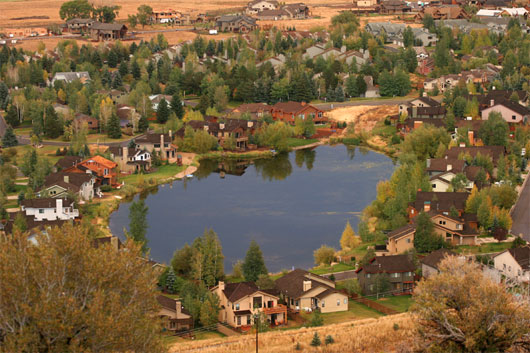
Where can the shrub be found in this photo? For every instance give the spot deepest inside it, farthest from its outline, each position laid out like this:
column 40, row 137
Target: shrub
column 396, row 327
column 315, row 342
column 106, row 188
column 329, row 340
column 316, row 319
column 297, row 347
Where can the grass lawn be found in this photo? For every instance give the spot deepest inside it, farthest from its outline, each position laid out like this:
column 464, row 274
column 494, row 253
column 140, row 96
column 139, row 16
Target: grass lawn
column 294, row 142
column 330, row 269
column 399, row 303
column 18, row 189
column 486, row 248
column 356, row 311
column 170, row 339
column 162, row 172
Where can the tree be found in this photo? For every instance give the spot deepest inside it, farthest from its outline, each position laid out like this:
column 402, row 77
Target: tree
column 12, row 116
column 176, row 105
column 316, row 319
column 210, row 310
column 53, row 127
column 370, row 254
column 4, row 95
column 9, row 139
column 265, row 282
column 494, row 131
column 64, row 295
column 75, row 9
column 315, row 342
column 143, row 123
column 162, row 113
column 352, row 286
column 138, row 223
column 144, row 15
column 181, row 261
column 348, row 239
column 220, row 98
column 254, row 264
column 113, row 127
column 408, row 37
column 453, row 317
column 207, row 260
column 171, row 281
column 324, row 255
column 381, row 284
column 426, row 239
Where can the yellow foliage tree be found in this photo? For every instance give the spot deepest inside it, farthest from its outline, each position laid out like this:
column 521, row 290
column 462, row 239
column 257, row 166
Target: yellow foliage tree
column 349, row 240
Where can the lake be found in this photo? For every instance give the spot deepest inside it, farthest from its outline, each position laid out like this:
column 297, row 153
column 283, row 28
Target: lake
column 290, row 204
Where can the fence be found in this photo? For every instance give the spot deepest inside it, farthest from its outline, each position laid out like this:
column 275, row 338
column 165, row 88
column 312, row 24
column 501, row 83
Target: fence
column 376, row 306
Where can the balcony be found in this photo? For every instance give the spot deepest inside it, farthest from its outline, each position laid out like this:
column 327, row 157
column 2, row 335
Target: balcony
column 278, row 309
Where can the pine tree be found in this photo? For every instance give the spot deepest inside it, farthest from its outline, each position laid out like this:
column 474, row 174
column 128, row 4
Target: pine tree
column 315, row 342
column 254, row 264
column 12, row 116
column 176, row 105
column 53, row 127
column 138, row 223
column 171, row 280
column 113, row 127
column 329, row 340
column 4, row 95
column 123, row 69
column 112, row 59
column 135, row 70
column 9, row 139
column 348, row 239
column 143, row 124
column 162, row 113
column 117, row 81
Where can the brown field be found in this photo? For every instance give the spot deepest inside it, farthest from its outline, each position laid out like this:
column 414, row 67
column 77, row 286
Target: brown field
column 370, row 335
column 364, row 117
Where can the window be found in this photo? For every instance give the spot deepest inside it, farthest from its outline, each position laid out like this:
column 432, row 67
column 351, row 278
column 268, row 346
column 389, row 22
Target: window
column 172, row 324
column 237, row 306
column 367, row 275
column 394, row 275
column 514, row 117
column 106, row 172
column 41, row 211
column 338, row 302
column 320, row 114
column 504, row 266
column 345, row 301
column 239, row 321
column 297, row 303
column 509, row 268
column 157, row 145
column 248, row 320
column 408, row 240
column 434, row 186
column 323, row 303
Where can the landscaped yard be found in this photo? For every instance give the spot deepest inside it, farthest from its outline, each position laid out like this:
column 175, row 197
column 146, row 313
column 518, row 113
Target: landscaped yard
column 486, row 248
column 399, row 303
column 294, row 142
column 356, row 311
column 330, row 269
column 162, row 172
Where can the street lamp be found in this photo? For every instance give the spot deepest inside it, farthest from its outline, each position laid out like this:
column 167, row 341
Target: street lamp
column 256, row 322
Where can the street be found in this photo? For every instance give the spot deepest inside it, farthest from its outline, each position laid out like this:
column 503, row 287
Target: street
column 521, row 213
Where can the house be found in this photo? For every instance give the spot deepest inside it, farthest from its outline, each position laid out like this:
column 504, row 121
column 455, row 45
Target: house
column 436, row 166
column 397, row 269
column 400, row 240
column 436, row 112
column 514, row 11
column 157, row 142
column 256, row 110
column 164, row 16
column 313, row 51
column 429, row 264
column 514, row 263
column 66, row 162
column 239, row 302
column 131, row 160
column 423, row 37
column 101, row 168
column 437, row 202
column 415, row 123
column 79, row 25
column 178, row 318
column 302, row 290
column 107, row 31
column 157, row 98
column 50, row 209
column 494, row 152
column 472, row 127
column 359, row 57
column 272, row 15
column 296, row 11
column 89, row 122
column 62, row 110
column 442, row 182
column 275, row 61
column 444, row 12
column 257, row 6
column 488, row 13
column 461, row 230
column 236, row 24
column 62, row 183
column 512, row 113
column 288, row 111
column 394, row 7
column 69, row 77
column 371, row 90
column 32, row 225
column 423, row 101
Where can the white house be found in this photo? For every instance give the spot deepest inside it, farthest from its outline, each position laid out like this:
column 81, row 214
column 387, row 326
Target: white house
column 511, row 112
column 514, row 263
column 49, row 209
column 69, row 77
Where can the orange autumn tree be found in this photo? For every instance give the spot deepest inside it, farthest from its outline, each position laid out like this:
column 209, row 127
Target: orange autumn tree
column 64, row 295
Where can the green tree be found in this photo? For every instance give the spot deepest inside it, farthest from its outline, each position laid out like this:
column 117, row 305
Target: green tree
column 113, row 127
column 324, row 255
column 181, row 261
column 426, row 239
column 143, row 16
column 143, row 123
column 352, row 286
column 408, row 37
column 254, row 264
column 494, row 131
column 9, row 139
column 264, row 282
column 316, row 319
column 138, row 223
column 381, row 284
column 12, row 116
column 315, row 342
column 210, row 310
column 162, row 113
column 171, row 281
column 53, row 127
column 176, row 105
column 207, row 261
column 75, row 9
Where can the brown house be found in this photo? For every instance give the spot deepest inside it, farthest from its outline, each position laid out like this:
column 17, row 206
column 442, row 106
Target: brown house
column 398, row 269
column 157, row 142
column 101, row 168
column 79, row 25
column 289, row 111
column 256, row 110
column 240, row 301
column 461, row 230
column 437, row 202
column 81, row 120
column 107, row 31
column 400, row 240
column 394, row 7
column 445, row 12
column 437, row 166
column 494, row 152
column 131, row 160
column 178, row 318
column 429, row 264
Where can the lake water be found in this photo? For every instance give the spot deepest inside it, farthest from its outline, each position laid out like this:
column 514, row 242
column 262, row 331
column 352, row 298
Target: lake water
column 290, row 204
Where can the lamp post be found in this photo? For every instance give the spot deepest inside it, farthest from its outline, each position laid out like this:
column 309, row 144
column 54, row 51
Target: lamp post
column 256, row 322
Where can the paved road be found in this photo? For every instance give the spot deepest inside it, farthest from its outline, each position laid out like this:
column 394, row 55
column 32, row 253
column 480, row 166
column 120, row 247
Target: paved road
column 341, row 276
column 24, row 140
column 521, row 213
column 374, row 102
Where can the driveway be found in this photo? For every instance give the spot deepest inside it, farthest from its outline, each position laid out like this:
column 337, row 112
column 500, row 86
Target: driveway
column 521, row 213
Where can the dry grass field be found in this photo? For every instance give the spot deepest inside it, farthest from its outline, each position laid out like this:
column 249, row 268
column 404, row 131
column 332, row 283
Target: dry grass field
column 394, row 333
column 364, row 117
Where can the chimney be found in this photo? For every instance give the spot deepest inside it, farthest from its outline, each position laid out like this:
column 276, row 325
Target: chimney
column 66, row 179
column 414, row 112
column 205, row 127
column 221, row 126
column 125, row 154
column 221, row 286
column 170, row 135
column 426, row 206
column 114, row 242
column 471, row 137
column 428, row 162
column 343, row 49
column 449, row 167
column 417, row 124
column 58, row 206
column 469, row 118
column 306, row 286
column 492, row 103
column 303, row 103
column 424, row 94
column 250, row 124
column 162, row 149
column 179, row 306
column 462, row 144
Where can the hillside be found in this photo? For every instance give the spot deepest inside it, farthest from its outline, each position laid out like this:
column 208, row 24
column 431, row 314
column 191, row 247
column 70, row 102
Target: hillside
column 388, row 334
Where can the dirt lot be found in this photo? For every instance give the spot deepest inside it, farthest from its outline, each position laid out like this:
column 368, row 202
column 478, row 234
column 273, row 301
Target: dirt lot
column 364, row 117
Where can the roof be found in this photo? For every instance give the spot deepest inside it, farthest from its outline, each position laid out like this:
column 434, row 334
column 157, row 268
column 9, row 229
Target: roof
column 326, row 293
column 401, row 232
column 440, row 201
column 75, row 180
column 32, row 224
column 236, row 291
column 435, row 122
column 292, row 107
column 79, row 21
column 152, row 138
column 436, row 110
column 492, row 151
column 166, row 302
column 522, row 256
column 253, row 108
column 441, row 165
column 389, row 264
column 472, row 171
column 108, row 26
column 292, row 284
column 428, row 100
column 434, row 258
column 516, row 107
column 102, row 160
column 47, row 202
column 68, row 161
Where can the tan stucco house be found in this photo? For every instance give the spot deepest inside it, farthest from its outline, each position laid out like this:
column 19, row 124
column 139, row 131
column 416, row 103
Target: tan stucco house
column 400, row 240
column 178, row 318
column 302, row 290
column 514, row 263
column 62, row 183
column 512, row 113
column 157, row 142
column 241, row 301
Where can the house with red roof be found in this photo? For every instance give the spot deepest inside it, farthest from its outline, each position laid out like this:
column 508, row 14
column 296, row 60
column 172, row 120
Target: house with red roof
column 102, row 169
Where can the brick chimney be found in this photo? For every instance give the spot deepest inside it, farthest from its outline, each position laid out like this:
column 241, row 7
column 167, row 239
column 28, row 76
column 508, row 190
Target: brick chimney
column 125, row 152
column 303, row 103
column 426, row 206
column 58, row 206
column 221, row 286
column 417, row 124
column 66, row 179
column 306, row 286
column 492, row 102
column 471, row 137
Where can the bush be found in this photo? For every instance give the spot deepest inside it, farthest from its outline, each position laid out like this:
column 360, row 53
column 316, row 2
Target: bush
column 316, row 319
column 297, row 347
column 395, row 139
column 315, row 342
column 351, row 141
column 106, row 188
column 329, row 340
column 396, row 327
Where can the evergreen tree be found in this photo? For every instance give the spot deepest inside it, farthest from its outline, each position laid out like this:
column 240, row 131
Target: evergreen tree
column 138, row 223
column 53, row 127
column 315, row 342
column 123, row 69
column 171, row 281
column 408, row 37
column 254, row 264
column 9, row 139
column 162, row 113
column 113, row 127
column 4, row 95
column 176, row 105
column 361, row 84
column 426, row 239
column 12, row 116
column 117, row 81
column 112, row 59
column 106, row 78
column 143, row 124
column 135, row 70
column 339, row 94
